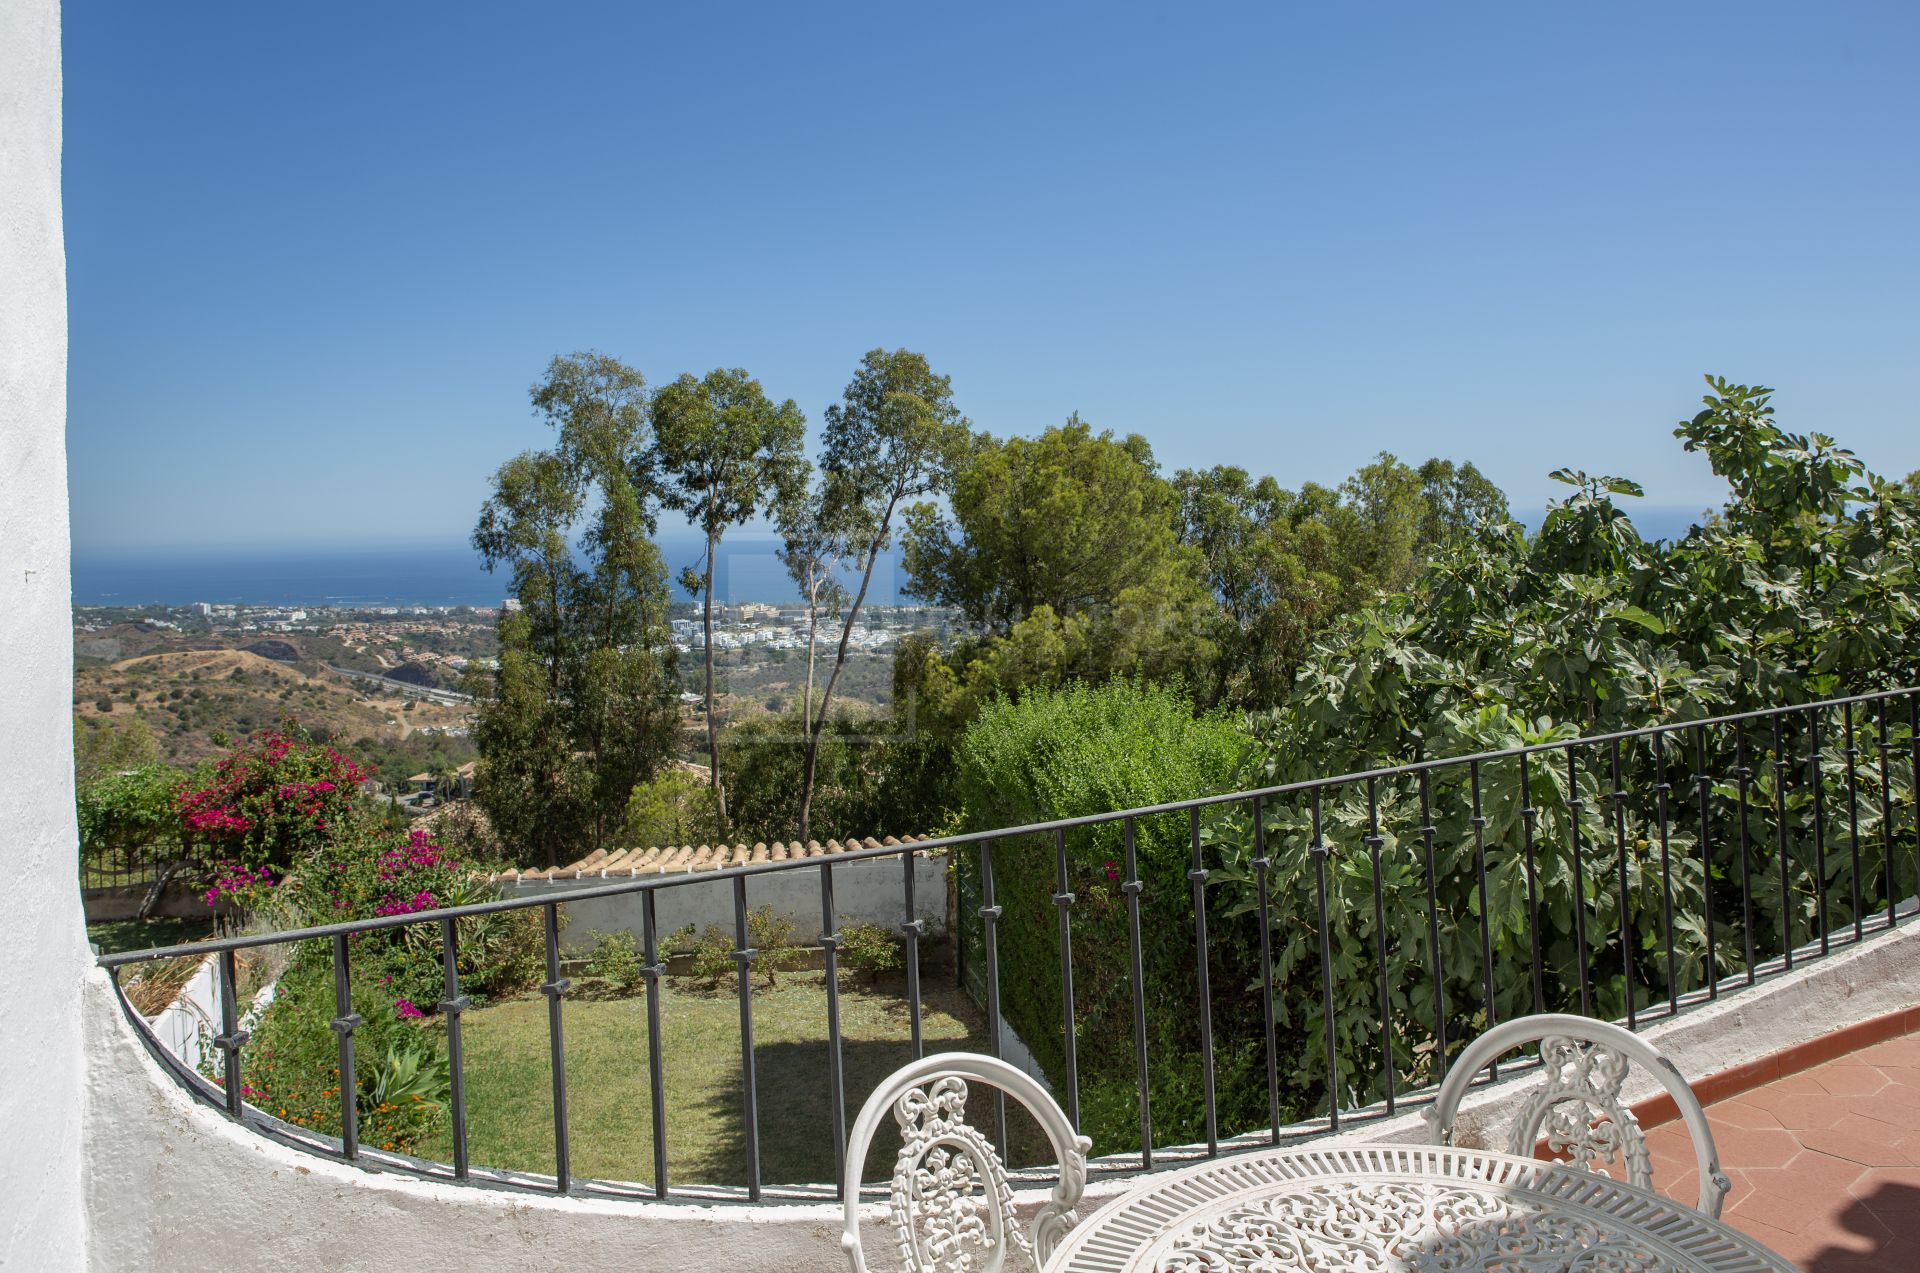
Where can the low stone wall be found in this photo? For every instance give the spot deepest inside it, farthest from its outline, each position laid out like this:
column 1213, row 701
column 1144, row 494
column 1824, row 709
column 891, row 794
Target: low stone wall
column 174, row 1187
column 865, row 891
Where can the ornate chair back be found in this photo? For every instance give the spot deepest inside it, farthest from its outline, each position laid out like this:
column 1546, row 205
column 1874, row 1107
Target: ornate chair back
column 1579, row 1110
column 952, row 1205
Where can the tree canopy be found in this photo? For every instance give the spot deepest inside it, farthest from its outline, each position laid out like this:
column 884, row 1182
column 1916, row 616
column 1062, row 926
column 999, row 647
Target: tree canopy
column 582, row 704
column 725, row 451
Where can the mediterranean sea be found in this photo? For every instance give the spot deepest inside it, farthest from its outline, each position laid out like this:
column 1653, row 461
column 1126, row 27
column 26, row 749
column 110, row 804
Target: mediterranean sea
column 746, row 569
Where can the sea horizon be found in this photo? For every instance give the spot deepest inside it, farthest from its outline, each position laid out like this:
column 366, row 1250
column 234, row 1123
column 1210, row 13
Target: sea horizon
column 747, row 569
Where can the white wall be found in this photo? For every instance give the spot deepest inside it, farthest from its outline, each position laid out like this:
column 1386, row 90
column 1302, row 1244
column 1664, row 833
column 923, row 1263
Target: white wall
column 865, row 891
column 41, row 938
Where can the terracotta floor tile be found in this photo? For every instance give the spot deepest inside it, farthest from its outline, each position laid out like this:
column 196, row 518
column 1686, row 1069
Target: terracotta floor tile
column 1800, row 1111
column 1896, row 1107
column 1738, row 1112
column 1904, row 1052
column 1809, row 1174
column 1866, row 1141
column 1763, row 1147
column 1844, row 1079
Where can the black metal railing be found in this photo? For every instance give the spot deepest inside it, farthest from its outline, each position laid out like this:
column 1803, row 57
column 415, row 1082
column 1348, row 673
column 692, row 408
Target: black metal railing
column 1453, row 892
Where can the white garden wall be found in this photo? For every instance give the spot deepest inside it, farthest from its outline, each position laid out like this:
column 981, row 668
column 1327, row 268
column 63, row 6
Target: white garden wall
column 41, row 939
column 865, row 891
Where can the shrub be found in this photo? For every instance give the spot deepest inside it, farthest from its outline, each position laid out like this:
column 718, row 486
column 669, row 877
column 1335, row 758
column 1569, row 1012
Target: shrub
column 276, row 798
column 369, row 871
column 768, row 933
column 616, row 962
column 674, row 807
column 869, row 948
column 292, row 1058
column 122, row 814
column 1084, row 750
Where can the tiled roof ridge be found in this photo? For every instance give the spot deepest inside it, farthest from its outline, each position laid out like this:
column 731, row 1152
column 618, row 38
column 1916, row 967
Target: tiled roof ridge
column 662, row 860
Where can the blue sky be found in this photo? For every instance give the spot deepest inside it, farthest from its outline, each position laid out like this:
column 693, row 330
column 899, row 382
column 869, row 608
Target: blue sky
column 318, row 253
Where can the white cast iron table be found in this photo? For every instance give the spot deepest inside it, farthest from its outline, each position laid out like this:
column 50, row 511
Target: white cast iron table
column 1400, row 1209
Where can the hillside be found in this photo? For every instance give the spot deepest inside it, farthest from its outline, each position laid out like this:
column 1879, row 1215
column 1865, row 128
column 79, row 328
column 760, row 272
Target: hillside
column 186, row 697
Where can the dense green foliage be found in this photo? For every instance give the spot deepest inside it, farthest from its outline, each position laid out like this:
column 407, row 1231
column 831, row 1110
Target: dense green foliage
column 1807, row 584
column 895, row 435
column 582, row 704
column 1077, row 522
column 869, row 781
column 1085, row 750
column 727, row 453
column 1282, row 565
column 673, row 807
column 128, row 817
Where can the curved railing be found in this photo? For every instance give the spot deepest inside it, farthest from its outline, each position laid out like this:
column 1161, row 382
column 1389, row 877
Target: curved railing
column 1787, row 870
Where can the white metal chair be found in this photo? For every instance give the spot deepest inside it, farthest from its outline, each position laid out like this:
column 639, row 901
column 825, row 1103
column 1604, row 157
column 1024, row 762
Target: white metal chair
column 1579, row 1110
column 952, row 1206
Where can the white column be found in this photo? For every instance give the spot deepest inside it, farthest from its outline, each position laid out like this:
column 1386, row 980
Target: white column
column 42, row 941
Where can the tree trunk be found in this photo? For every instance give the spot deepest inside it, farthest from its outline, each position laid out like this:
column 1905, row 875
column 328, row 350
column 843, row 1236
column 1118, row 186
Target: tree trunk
column 839, row 661
column 713, row 733
column 813, row 628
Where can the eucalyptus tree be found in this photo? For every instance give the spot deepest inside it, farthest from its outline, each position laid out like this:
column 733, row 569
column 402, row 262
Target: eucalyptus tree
column 725, row 451
column 581, row 705
column 811, row 549
column 894, row 436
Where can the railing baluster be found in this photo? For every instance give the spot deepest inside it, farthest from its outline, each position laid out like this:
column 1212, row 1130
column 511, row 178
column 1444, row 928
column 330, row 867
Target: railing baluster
column 1197, row 876
column 1261, row 864
column 910, row 930
column 1479, row 823
column 836, row 1072
column 1780, row 767
column 743, row 956
column 1063, row 904
column 1130, row 887
column 1661, row 789
column 1913, row 789
column 1703, row 783
column 345, row 1022
column 231, row 1036
column 990, row 925
column 1575, row 807
column 1886, row 813
column 1527, row 815
column 1744, row 777
column 1818, row 781
column 654, row 969
column 553, row 988
column 1853, row 821
column 1318, row 850
column 1373, row 842
column 1427, row 830
column 451, row 1007
column 1619, row 796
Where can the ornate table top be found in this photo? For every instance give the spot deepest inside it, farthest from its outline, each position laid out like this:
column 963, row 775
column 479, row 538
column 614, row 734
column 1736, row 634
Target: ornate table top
column 1400, row 1209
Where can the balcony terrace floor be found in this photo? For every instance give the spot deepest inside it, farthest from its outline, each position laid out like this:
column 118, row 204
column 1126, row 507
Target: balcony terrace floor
column 1825, row 1162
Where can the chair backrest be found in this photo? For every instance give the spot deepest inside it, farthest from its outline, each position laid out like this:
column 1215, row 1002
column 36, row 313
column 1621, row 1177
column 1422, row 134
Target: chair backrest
column 1579, row 1110
column 952, row 1206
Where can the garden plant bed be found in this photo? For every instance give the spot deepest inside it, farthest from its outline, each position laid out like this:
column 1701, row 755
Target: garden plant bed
column 509, row 1094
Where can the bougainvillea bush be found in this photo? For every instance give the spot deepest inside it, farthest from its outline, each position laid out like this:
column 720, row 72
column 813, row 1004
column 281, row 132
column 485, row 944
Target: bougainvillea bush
column 396, row 981
column 367, row 872
column 269, row 803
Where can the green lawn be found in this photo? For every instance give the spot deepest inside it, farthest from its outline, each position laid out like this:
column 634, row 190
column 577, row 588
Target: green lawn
column 509, row 1093
column 115, row 935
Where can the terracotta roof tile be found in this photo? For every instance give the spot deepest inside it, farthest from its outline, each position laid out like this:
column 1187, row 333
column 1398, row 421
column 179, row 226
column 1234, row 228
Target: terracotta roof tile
column 631, row 861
